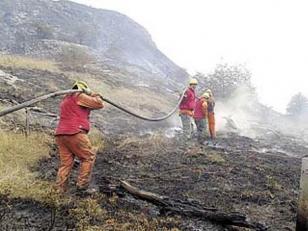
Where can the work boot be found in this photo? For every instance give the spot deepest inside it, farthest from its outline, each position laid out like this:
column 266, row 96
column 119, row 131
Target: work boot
column 86, row 191
column 212, row 143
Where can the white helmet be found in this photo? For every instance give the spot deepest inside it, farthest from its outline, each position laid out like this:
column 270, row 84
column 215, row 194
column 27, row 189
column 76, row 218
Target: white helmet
column 206, row 95
column 193, row 82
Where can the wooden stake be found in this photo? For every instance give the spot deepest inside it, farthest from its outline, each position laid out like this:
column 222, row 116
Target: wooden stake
column 27, row 122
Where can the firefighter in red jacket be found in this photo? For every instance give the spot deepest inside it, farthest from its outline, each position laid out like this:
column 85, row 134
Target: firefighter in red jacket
column 201, row 116
column 187, row 107
column 71, row 135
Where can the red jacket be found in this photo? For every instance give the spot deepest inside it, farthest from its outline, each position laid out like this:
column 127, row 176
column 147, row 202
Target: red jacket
column 200, row 111
column 74, row 117
column 188, row 102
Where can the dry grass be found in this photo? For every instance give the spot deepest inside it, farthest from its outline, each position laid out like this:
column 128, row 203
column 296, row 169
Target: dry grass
column 153, row 142
column 96, row 84
column 273, row 184
column 14, row 61
column 86, row 211
column 17, row 155
column 97, row 139
column 215, row 158
column 91, row 216
column 144, row 147
column 144, row 102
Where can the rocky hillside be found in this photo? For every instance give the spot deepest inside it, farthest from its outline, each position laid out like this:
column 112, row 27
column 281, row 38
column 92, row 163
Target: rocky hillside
column 42, row 28
column 46, row 45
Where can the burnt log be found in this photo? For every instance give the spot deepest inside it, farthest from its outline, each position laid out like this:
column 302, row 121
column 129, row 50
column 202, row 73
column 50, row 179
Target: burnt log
column 192, row 209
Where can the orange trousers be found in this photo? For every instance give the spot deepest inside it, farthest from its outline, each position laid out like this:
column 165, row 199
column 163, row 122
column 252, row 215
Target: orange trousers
column 211, row 117
column 70, row 146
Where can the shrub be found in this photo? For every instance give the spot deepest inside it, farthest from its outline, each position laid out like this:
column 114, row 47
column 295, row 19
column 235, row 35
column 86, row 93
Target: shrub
column 43, row 30
column 225, row 80
column 74, row 58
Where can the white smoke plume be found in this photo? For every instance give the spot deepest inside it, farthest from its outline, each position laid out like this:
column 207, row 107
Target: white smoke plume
column 238, row 113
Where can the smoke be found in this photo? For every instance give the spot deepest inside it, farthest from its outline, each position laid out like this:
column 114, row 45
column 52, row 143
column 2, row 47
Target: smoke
column 238, row 113
column 242, row 113
column 294, row 125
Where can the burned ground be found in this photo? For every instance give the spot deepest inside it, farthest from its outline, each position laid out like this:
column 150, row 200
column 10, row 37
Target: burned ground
column 258, row 177
column 233, row 176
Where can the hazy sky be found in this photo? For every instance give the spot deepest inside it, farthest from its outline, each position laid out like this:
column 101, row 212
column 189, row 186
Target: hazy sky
column 269, row 36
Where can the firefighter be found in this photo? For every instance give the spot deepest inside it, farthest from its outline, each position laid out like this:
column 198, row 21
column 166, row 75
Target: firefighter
column 201, row 117
column 71, row 136
column 187, row 107
column 211, row 114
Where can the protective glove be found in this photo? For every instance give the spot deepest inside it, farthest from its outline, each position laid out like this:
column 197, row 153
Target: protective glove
column 87, row 91
column 97, row 94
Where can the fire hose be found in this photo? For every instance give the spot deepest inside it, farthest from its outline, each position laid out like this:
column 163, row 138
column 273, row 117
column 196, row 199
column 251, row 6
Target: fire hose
column 64, row 92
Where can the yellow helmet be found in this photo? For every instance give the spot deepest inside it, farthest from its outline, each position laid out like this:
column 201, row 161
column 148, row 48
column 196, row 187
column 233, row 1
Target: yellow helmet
column 80, row 85
column 209, row 92
column 193, row 82
column 206, row 95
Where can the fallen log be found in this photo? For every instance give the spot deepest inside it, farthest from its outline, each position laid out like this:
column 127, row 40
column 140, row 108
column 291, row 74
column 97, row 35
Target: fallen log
column 192, row 209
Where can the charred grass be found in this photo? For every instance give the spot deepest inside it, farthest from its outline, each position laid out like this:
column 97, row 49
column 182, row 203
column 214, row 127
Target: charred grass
column 262, row 186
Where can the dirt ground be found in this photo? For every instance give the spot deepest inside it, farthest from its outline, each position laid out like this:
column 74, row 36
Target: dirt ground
column 239, row 174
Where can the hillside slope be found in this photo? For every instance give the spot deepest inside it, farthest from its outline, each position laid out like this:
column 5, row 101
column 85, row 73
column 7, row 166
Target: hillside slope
column 34, row 27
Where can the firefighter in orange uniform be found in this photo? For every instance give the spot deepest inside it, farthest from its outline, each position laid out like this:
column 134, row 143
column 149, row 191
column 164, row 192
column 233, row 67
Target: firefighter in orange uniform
column 211, row 114
column 71, row 135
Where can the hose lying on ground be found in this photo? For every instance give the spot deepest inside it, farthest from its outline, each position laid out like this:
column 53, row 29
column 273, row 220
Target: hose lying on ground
column 58, row 93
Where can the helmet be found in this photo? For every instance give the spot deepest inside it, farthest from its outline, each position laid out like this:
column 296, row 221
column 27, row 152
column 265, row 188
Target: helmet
column 193, row 82
column 209, row 92
column 206, row 95
column 80, row 85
